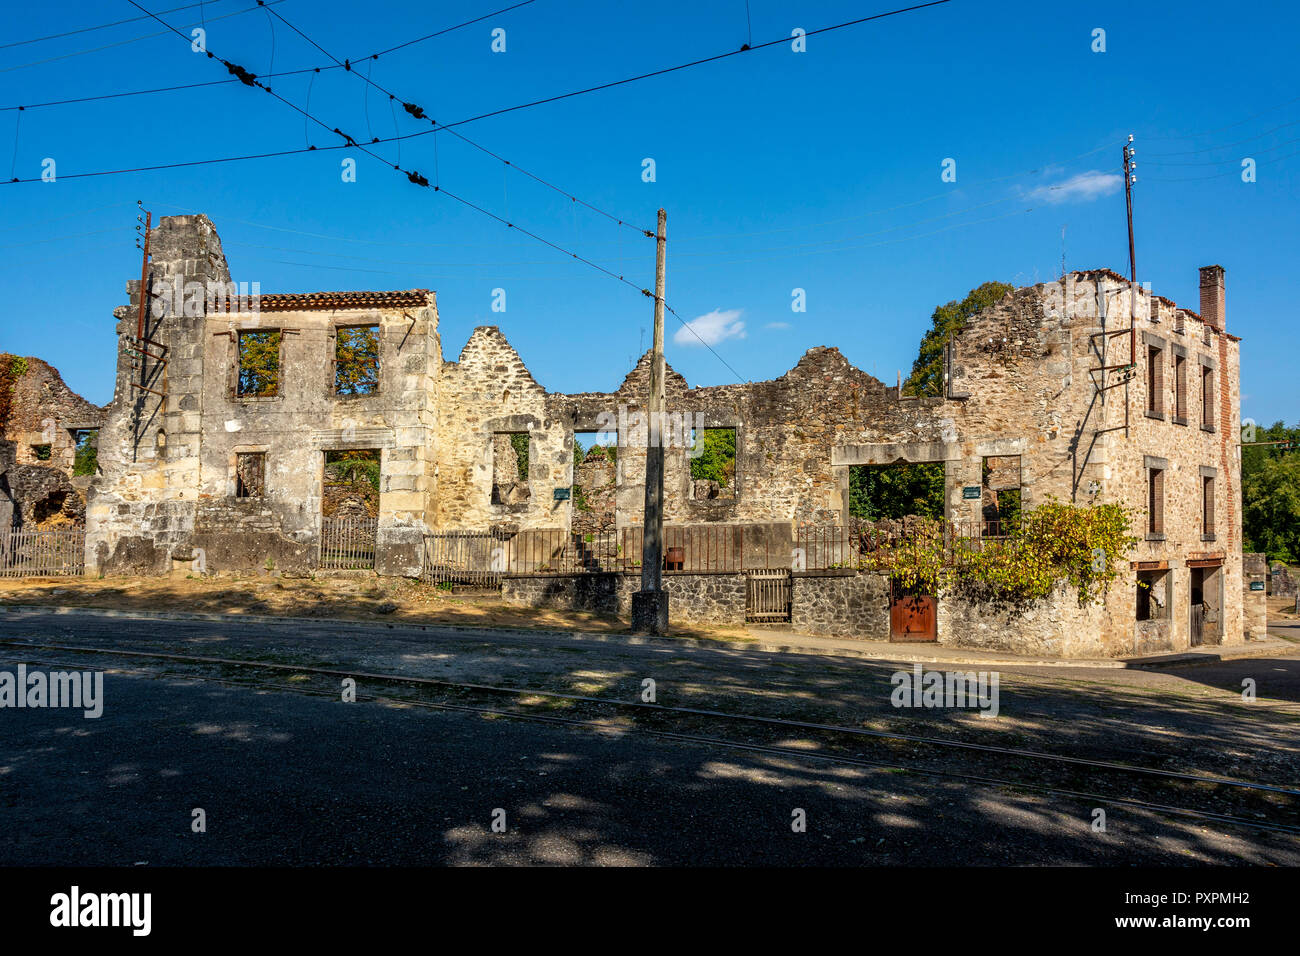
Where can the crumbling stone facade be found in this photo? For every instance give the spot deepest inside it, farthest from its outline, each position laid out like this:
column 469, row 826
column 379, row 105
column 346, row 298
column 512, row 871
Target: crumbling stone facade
column 37, row 476
column 1085, row 389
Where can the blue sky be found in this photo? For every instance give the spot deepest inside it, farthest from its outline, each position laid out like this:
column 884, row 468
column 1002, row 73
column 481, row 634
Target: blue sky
column 818, row 170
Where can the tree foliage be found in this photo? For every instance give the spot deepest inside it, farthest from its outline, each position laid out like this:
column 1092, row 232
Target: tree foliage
column 259, row 363
column 519, row 442
column 1058, row 542
column 356, row 360
column 896, row 491
column 717, row 459
column 927, row 371
column 1270, row 492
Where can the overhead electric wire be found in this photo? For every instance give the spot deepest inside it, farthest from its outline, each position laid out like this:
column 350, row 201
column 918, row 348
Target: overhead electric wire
column 109, row 46
column 310, row 69
column 417, row 112
column 102, row 26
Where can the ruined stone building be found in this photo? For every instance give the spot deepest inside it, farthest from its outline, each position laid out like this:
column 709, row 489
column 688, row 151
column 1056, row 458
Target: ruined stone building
column 49, row 460
column 1086, row 389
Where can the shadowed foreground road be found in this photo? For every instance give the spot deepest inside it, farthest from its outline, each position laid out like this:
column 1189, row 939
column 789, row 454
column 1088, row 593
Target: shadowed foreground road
column 291, row 779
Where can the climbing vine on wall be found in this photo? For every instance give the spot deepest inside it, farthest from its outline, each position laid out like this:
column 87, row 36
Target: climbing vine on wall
column 12, row 368
column 1055, row 543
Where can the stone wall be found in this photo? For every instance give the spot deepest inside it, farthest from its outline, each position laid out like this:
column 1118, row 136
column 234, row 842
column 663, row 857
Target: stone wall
column 1054, row 627
column 693, row 598
column 840, row 604
column 1254, row 570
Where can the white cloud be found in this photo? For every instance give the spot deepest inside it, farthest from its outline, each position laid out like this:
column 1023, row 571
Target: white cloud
column 712, row 327
column 1084, row 187
column 777, row 325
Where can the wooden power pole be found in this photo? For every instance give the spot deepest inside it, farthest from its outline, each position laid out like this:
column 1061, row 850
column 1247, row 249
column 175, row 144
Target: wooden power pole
column 650, row 604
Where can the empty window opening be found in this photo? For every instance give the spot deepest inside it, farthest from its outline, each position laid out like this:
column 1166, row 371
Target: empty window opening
column 356, row 360
column 250, row 474
column 1152, row 595
column 1155, row 501
column 1000, row 509
column 42, row 452
column 712, row 454
column 1180, row 390
column 896, row 491
column 259, row 364
column 85, row 460
column 1207, row 396
column 595, row 477
column 510, row 463
column 1207, row 506
column 351, row 484
column 1155, row 383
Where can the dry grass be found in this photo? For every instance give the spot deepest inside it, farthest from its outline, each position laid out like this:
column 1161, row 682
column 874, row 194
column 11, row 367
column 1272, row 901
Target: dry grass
column 352, row 598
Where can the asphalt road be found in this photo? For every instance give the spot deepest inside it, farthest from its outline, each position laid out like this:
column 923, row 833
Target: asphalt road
column 290, row 779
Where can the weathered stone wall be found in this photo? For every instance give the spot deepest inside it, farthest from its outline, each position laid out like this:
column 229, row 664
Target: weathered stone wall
column 693, row 598
column 1054, row 627
column 1254, row 571
column 45, row 412
column 840, row 604
column 169, row 460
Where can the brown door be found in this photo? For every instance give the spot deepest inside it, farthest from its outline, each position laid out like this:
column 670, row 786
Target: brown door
column 912, row 618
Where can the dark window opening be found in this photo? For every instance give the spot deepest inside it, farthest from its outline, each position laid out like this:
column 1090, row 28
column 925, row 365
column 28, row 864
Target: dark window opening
column 86, row 459
column 1180, row 390
column 1155, row 382
column 1152, row 595
column 351, row 484
column 259, row 364
column 250, row 474
column 1207, row 395
column 712, row 455
column 42, row 452
column 896, row 491
column 1155, row 501
column 1207, row 506
column 510, row 464
column 356, row 360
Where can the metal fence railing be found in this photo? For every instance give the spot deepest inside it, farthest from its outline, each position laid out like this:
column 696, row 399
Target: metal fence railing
column 853, row 546
column 348, row 544
column 43, row 553
column 482, row 558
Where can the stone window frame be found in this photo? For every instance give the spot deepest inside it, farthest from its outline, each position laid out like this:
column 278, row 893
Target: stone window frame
column 232, row 471
column 1211, row 476
column 738, row 481
column 232, row 382
column 1166, row 579
column 1210, row 377
column 1178, row 361
column 1154, row 366
column 511, row 425
column 1156, row 470
column 332, row 382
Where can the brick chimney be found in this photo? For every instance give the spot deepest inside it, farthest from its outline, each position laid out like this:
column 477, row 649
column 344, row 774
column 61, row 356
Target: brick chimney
column 1214, row 301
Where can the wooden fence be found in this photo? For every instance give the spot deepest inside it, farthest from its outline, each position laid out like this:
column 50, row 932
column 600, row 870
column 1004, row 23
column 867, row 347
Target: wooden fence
column 43, row 553
column 348, row 544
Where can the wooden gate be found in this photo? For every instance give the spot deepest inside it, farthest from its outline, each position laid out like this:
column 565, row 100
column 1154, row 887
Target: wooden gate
column 767, row 595
column 42, row 553
column 913, row 618
column 1198, row 625
column 348, row 543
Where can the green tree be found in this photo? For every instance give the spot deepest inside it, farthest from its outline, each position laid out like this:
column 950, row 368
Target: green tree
column 259, row 363
column 519, row 442
column 356, row 360
column 927, row 371
column 717, row 460
column 896, row 491
column 1271, row 508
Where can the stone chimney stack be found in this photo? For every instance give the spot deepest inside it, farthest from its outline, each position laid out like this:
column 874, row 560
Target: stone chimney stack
column 1214, row 301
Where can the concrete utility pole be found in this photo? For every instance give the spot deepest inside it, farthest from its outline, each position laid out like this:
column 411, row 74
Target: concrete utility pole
column 650, row 604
